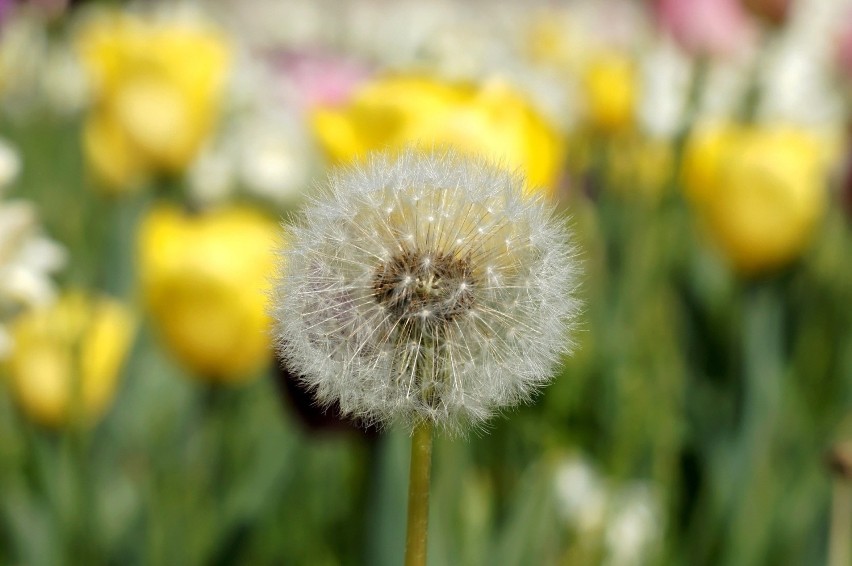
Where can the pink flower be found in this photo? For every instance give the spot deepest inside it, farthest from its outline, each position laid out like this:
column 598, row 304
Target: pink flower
column 320, row 79
column 5, row 10
column 844, row 48
column 705, row 27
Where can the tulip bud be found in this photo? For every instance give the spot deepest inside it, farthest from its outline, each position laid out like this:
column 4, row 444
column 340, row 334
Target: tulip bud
column 705, row 27
column 156, row 89
column 611, row 90
column 490, row 120
column 759, row 191
column 204, row 279
column 67, row 357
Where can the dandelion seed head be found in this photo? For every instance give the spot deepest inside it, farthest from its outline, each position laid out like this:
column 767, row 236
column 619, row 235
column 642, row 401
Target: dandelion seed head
column 425, row 287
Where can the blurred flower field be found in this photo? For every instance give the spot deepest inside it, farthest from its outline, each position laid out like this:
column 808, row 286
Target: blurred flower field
column 700, row 150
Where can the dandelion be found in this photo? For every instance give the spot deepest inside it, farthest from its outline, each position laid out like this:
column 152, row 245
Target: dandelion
column 425, row 288
column 429, row 290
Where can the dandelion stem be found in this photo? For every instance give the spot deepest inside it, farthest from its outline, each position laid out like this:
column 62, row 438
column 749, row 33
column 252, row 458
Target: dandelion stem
column 840, row 547
column 418, row 495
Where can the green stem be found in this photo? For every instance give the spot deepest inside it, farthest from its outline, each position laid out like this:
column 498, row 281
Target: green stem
column 418, row 495
column 763, row 367
column 840, row 537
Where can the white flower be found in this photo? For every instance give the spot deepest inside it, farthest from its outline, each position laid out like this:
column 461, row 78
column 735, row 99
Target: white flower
column 17, row 219
column 26, row 258
column 796, row 79
column 211, row 178
column 275, row 157
column 425, row 287
column 665, row 78
column 26, row 261
column 634, row 527
column 38, row 69
column 63, row 83
column 23, row 45
column 581, row 494
column 264, row 148
column 266, row 153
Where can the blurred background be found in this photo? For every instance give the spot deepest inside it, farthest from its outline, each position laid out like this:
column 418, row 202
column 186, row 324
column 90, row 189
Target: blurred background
column 701, row 150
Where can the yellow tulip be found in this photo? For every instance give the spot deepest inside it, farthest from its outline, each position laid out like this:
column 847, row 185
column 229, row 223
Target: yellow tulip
column 66, row 360
column 205, row 279
column 610, row 88
column 760, row 191
column 489, row 119
column 157, row 87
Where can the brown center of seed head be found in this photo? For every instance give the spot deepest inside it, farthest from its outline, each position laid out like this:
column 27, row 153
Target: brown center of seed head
column 429, row 287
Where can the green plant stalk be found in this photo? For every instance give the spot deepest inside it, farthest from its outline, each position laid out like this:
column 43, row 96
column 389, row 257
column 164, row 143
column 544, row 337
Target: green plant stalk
column 840, row 537
column 418, row 495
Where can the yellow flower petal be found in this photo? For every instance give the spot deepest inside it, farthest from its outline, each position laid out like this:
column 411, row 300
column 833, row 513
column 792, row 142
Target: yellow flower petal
column 111, row 155
column 205, row 278
column 67, row 358
column 157, row 87
column 158, row 120
column 760, row 191
column 610, row 85
column 490, row 119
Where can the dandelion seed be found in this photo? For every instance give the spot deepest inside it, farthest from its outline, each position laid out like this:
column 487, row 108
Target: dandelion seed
column 425, row 288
